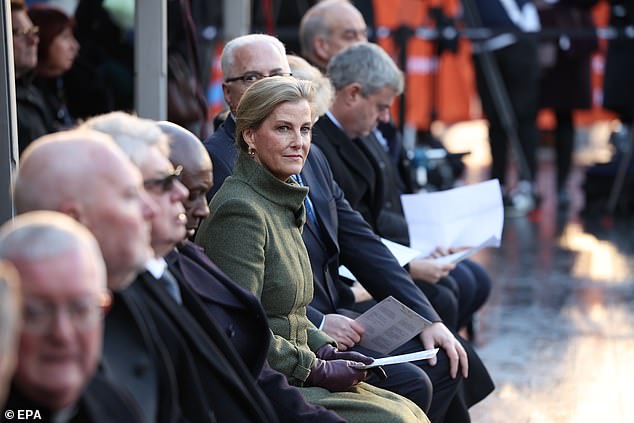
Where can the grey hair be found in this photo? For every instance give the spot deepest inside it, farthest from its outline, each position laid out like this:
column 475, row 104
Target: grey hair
column 324, row 91
column 44, row 234
column 134, row 135
column 314, row 23
column 227, row 59
column 368, row 65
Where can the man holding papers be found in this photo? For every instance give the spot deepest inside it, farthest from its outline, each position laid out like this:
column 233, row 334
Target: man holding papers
column 358, row 106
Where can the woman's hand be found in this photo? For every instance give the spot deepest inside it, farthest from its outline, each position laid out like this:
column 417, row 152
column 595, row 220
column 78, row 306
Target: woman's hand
column 335, row 375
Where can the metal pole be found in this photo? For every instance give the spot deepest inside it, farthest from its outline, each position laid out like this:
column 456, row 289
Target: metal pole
column 8, row 126
column 150, row 59
column 236, row 18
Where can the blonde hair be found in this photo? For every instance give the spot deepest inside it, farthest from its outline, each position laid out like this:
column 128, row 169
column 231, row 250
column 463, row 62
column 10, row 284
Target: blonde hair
column 263, row 97
column 324, row 91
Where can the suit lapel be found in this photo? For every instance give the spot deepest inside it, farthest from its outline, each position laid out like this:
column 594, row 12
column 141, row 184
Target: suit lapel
column 348, row 152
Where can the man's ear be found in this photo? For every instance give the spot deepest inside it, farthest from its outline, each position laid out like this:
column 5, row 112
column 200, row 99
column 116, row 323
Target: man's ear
column 352, row 93
column 321, row 49
column 71, row 209
column 227, row 94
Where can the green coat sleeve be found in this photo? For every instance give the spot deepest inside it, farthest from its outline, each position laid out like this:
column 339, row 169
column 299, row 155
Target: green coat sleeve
column 235, row 238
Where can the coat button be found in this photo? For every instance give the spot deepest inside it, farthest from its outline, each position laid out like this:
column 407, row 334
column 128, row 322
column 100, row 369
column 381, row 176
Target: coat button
column 231, row 331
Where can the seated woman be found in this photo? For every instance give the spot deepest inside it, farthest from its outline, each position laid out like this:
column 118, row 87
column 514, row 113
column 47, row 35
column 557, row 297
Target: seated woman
column 254, row 234
column 56, row 54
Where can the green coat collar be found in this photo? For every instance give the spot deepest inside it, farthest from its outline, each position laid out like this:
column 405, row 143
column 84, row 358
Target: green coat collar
column 287, row 194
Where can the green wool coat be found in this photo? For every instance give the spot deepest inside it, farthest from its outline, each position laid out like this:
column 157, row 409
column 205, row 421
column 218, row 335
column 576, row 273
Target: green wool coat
column 254, row 234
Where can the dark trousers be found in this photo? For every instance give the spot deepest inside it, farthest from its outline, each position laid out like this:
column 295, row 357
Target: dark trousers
column 519, row 71
column 474, row 287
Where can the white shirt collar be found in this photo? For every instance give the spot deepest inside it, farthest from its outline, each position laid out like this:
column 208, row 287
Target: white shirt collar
column 156, row 266
column 334, row 120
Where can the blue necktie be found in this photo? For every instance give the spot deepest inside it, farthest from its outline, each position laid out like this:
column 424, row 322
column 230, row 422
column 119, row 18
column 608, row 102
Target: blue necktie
column 307, row 203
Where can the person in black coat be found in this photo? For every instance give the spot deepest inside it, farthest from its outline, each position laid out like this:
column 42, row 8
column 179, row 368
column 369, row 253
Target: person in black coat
column 64, row 295
column 134, row 353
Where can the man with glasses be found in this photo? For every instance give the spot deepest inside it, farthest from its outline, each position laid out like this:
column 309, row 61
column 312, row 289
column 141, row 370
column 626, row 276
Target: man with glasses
column 34, row 118
column 213, row 382
column 63, row 282
column 244, row 60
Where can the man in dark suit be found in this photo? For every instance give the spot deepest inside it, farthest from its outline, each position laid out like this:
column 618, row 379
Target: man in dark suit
column 107, row 196
column 211, row 376
column 64, row 294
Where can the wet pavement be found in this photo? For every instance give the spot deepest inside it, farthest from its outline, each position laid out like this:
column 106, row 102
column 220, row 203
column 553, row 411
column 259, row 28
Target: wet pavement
column 557, row 334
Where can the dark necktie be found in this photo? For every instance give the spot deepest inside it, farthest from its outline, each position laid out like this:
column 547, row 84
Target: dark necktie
column 171, row 286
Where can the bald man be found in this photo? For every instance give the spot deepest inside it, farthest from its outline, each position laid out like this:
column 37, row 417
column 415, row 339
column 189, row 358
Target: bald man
column 63, row 282
column 329, row 27
column 83, row 174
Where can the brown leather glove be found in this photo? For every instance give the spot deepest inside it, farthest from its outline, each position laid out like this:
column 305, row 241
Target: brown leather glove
column 335, row 375
column 328, row 352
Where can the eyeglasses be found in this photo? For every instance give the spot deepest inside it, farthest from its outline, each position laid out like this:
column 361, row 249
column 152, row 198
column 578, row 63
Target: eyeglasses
column 251, row 77
column 33, row 31
column 39, row 315
column 164, row 184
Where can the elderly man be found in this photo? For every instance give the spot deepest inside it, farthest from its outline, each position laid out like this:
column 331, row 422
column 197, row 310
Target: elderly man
column 63, row 281
column 9, row 323
column 210, row 373
column 329, row 27
column 83, row 174
column 244, row 60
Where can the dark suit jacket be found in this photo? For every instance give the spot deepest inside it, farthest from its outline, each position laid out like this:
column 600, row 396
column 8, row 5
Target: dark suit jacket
column 101, row 402
column 135, row 357
column 207, row 363
column 223, row 153
column 345, row 238
column 354, row 173
column 241, row 316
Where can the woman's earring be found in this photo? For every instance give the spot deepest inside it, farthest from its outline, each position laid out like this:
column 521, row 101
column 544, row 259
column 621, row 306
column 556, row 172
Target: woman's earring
column 252, row 152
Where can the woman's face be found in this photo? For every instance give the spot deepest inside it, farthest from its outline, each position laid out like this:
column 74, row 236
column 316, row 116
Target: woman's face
column 62, row 53
column 282, row 142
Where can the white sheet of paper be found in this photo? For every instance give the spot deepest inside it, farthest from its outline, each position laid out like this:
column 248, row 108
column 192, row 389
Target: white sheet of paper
column 403, row 358
column 402, row 254
column 389, row 324
column 461, row 255
column 461, row 217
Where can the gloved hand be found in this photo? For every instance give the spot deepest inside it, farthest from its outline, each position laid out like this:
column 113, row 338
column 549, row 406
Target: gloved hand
column 328, row 352
column 335, row 375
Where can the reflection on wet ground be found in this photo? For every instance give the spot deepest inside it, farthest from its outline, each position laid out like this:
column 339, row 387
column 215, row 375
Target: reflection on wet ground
column 558, row 331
